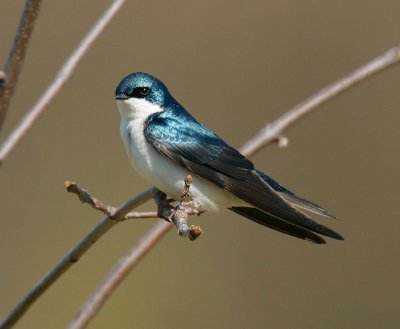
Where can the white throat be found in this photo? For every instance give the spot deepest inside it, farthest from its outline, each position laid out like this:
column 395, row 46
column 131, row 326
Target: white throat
column 136, row 108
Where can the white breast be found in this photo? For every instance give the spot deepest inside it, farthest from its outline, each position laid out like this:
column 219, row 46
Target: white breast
column 157, row 169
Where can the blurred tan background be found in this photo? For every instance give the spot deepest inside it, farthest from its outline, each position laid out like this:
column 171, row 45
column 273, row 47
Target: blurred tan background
column 236, row 66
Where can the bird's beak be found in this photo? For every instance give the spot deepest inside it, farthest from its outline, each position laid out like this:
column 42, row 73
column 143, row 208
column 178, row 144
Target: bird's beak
column 121, row 97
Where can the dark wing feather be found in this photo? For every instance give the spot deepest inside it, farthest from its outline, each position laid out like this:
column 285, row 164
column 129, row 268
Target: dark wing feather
column 179, row 137
column 274, row 223
column 293, row 198
column 194, row 142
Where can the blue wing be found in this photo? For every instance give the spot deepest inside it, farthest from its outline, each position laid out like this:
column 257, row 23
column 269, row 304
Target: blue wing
column 180, row 138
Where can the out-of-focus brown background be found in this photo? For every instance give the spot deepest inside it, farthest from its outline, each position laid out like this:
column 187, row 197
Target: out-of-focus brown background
column 236, row 66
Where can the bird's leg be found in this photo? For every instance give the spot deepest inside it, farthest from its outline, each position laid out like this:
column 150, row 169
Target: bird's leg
column 187, row 202
column 185, row 196
column 190, row 208
column 179, row 214
column 164, row 208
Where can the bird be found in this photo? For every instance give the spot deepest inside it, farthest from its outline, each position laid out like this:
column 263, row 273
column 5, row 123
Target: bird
column 165, row 144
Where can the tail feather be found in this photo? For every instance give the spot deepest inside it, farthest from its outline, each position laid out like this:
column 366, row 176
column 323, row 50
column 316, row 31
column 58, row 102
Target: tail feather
column 277, row 224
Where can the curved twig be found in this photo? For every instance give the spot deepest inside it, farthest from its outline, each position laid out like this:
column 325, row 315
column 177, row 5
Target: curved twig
column 119, row 272
column 274, row 130
column 61, row 78
column 10, row 74
column 72, row 257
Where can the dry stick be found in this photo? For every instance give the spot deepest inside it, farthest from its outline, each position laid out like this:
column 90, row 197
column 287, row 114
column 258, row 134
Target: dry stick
column 72, row 257
column 119, row 272
column 61, row 78
column 272, row 132
column 9, row 76
column 85, row 197
column 141, row 214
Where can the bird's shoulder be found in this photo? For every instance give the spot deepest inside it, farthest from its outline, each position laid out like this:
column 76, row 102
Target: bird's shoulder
column 179, row 136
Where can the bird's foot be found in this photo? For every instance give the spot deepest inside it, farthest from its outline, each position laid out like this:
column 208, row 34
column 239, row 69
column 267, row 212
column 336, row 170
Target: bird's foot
column 192, row 207
column 179, row 214
column 166, row 210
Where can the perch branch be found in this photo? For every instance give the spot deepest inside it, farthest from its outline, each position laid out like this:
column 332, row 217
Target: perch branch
column 141, row 214
column 61, row 78
column 118, row 273
column 179, row 214
column 273, row 131
column 72, row 257
column 112, row 212
column 9, row 76
column 85, row 197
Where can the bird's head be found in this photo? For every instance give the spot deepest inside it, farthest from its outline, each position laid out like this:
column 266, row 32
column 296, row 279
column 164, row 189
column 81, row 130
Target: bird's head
column 140, row 94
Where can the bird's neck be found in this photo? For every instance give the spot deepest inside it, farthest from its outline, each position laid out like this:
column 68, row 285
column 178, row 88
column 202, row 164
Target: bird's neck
column 133, row 109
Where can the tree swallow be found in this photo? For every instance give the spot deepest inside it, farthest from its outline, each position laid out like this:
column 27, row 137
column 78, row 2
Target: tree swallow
column 165, row 143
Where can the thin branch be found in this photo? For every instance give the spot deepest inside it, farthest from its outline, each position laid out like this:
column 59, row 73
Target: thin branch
column 105, row 289
column 85, row 197
column 174, row 214
column 274, row 130
column 141, row 214
column 119, row 272
column 61, row 78
column 12, row 68
column 72, row 257
column 114, row 216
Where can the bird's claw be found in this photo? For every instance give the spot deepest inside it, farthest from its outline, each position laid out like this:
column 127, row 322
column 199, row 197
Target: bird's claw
column 166, row 210
column 180, row 213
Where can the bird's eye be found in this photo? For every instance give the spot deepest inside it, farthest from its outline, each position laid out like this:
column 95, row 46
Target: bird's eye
column 140, row 92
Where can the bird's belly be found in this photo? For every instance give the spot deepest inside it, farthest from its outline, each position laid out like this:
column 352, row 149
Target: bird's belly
column 169, row 177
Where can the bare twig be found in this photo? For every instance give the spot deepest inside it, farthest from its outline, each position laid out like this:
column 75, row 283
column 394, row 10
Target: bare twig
column 61, row 78
column 274, row 130
column 141, row 214
column 72, row 257
column 174, row 214
column 265, row 136
column 85, row 197
column 118, row 273
column 9, row 77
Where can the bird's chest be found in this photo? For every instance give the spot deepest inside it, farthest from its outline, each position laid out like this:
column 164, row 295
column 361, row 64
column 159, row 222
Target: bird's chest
column 148, row 162
column 141, row 154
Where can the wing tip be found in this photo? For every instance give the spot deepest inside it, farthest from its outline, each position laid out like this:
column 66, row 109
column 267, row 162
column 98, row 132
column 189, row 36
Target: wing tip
column 316, row 241
column 331, row 234
column 338, row 237
column 282, row 226
column 328, row 232
column 292, row 198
